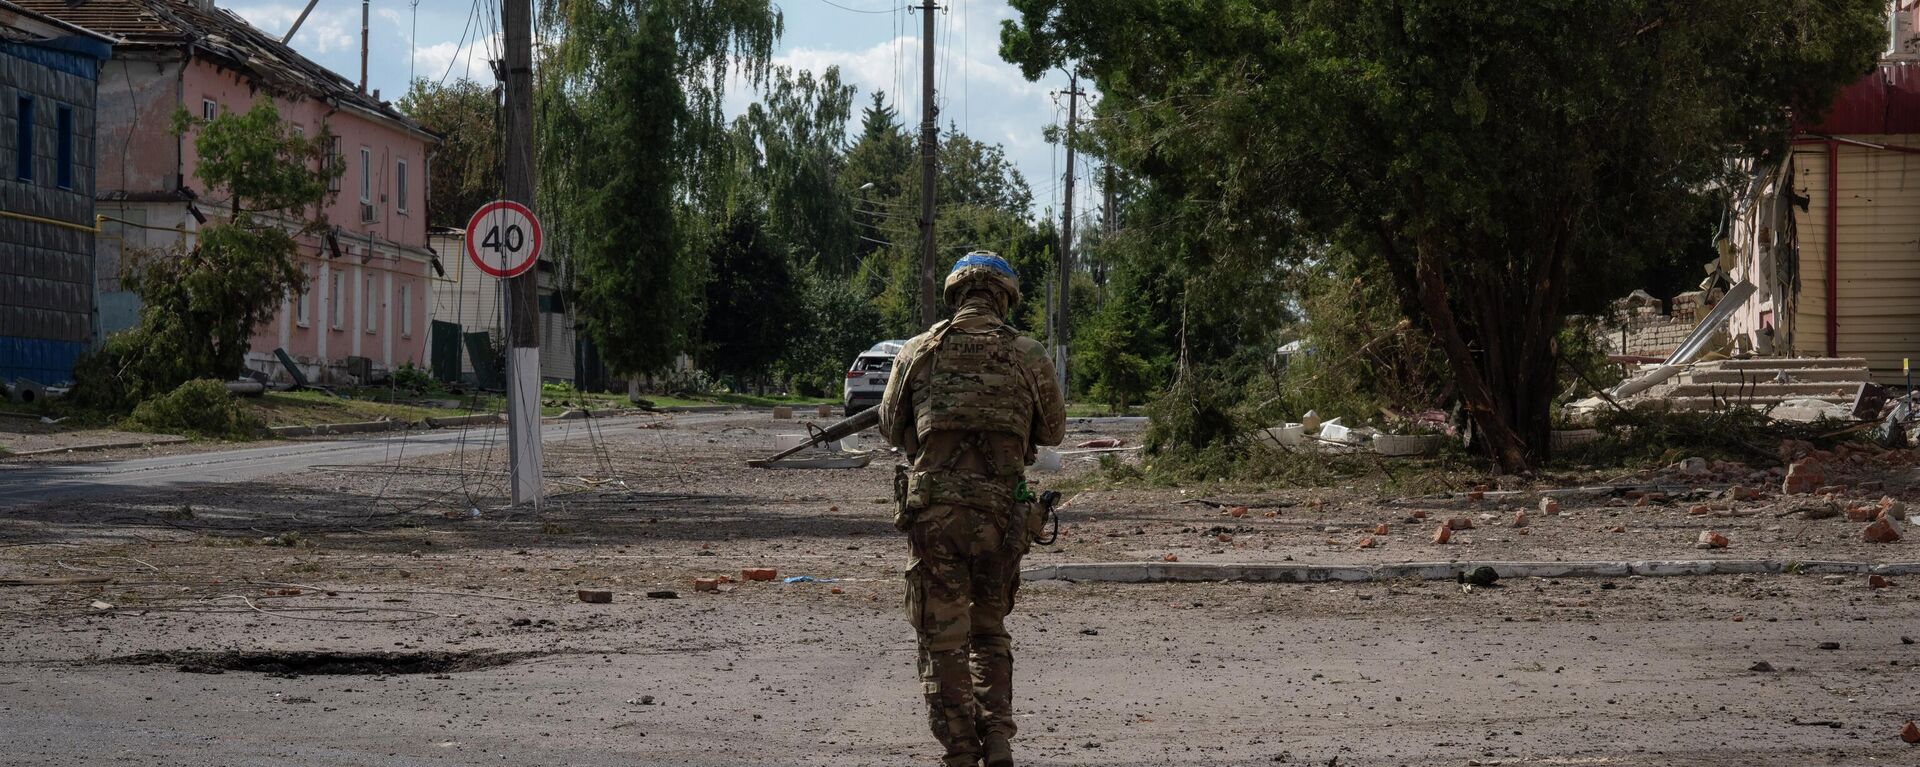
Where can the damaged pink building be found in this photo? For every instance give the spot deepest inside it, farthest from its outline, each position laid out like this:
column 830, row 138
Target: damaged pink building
column 366, row 305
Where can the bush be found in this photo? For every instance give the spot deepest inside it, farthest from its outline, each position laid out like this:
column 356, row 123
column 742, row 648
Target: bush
column 414, row 379
column 199, row 408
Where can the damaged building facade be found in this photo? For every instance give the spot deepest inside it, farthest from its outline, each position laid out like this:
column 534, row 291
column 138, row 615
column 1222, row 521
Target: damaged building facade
column 366, row 304
column 1829, row 234
column 48, row 72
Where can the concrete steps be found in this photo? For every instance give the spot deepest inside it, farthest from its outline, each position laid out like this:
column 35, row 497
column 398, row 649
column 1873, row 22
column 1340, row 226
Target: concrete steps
column 1848, row 376
column 1766, row 391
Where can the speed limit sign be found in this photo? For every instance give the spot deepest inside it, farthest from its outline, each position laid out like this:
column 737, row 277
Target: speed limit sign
column 503, row 238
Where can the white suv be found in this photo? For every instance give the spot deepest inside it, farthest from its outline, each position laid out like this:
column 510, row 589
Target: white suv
column 867, row 378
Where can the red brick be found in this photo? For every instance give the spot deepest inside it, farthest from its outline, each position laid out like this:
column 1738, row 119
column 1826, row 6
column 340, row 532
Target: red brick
column 706, row 584
column 759, row 574
column 1380, row 529
column 1549, row 506
column 1879, row 582
column 1881, row 531
column 1442, row 534
column 1520, row 519
column 1910, row 733
column 1711, row 540
column 1460, row 523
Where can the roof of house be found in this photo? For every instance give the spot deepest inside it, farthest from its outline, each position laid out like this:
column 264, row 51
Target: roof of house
column 22, row 24
column 222, row 36
column 1886, row 100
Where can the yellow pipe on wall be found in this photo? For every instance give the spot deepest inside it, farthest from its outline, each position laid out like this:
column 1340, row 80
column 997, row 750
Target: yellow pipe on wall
column 53, row 221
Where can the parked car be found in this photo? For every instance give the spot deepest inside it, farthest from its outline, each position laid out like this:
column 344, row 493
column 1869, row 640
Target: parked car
column 867, row 377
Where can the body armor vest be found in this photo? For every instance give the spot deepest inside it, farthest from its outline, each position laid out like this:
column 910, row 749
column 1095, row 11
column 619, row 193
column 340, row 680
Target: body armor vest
column 974, row 383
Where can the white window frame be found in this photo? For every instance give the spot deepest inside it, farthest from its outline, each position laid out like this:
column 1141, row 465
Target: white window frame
column 303, row 304
column 336, row 303
column 406, row 310
column 209, row 109
column 366, row 175
column 372, row 303
column 400, row 187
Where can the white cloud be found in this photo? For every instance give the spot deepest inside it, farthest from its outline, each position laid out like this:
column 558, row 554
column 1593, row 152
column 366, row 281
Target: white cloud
column 455, row 61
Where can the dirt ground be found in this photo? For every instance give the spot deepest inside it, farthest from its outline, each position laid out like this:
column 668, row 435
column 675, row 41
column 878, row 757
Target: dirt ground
column 394, row 614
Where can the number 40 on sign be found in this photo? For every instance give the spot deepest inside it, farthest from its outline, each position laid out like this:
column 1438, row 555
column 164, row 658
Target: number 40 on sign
column 503, row 238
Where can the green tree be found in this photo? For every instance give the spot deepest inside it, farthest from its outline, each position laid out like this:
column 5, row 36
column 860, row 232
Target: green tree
column 790, row 142
column 1489, row 154
column 200, row 306
column 753, row 304
column 465, row 172
column 635, row 158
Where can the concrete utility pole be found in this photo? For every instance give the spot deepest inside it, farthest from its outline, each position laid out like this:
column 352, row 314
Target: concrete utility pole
column 929, row 141
column 523, row 292
column 1065, row 280
column 365, row 8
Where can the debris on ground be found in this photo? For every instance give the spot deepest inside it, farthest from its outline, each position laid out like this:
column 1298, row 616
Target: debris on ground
column 1879, row 582
column 759, row 574
column 1910, row 733
column 1711, row 540
column 1762, row 667
column 1481, row 576
column 595, row 596
column 1881, row 531
column 1443, row 534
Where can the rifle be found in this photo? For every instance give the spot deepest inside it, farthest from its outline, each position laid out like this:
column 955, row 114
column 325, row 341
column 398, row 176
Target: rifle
column 838, row 430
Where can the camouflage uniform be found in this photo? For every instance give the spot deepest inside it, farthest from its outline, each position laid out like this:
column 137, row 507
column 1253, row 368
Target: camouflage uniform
column 969, row 400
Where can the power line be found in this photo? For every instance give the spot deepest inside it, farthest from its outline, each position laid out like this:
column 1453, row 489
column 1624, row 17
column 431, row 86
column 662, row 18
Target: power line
column 859, row 10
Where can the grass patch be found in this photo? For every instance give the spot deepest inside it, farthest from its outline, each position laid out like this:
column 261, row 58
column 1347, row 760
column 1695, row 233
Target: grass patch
column 308, row 408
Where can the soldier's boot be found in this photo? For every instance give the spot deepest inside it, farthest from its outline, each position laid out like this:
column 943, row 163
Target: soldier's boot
column 998, row 751
column 950, row 705
column 993, row 690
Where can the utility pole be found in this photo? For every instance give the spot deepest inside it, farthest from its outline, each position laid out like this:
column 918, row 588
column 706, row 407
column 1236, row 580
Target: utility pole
column 365, row 8
column 1060, row 324
column 929, row 141
column 523, row 291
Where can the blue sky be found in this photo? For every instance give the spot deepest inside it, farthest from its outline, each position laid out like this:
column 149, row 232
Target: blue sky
column 875, row 44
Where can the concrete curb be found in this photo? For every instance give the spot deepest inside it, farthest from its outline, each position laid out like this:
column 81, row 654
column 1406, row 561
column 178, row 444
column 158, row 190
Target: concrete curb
column 477, row 419
column 1195, row 572
column 360, row 427
column 158, row 440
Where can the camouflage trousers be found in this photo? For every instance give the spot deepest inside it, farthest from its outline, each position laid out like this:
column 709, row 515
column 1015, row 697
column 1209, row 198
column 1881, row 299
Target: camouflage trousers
column 960, row 587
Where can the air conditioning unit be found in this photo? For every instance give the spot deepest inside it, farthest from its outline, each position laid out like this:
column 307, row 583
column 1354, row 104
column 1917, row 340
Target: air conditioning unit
column 367, row 213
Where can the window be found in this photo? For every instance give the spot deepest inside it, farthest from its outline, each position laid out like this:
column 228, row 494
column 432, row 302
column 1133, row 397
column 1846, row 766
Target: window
column 400, row 186
column 366, row 175
column 371, row 301
column 63, row 167
column 23, row 138
column 334, row 163
column 209, row 109
column 406, row 310
column 336, row 303
column 302, row 311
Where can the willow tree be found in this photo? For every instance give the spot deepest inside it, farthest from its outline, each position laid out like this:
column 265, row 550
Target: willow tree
column 634, row 157
column 1491, row 154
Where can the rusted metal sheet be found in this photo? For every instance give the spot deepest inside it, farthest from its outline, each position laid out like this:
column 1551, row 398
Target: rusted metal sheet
column 1887, row 100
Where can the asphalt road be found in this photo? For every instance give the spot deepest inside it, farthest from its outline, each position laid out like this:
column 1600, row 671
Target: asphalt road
column 26, row 483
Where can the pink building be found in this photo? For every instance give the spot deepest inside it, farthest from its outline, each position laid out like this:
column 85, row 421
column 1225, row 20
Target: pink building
column 367, row 296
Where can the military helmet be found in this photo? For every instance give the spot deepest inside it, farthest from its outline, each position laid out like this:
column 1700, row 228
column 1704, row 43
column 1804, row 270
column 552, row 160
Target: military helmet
column 978, row 268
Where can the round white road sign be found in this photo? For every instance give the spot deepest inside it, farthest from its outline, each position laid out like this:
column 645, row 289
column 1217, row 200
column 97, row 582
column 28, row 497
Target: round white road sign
column 503, row 238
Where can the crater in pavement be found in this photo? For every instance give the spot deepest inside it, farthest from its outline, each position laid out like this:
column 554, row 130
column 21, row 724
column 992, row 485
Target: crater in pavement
column 327, row 663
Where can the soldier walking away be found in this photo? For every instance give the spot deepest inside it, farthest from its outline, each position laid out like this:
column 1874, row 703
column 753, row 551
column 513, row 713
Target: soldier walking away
column 969, row 402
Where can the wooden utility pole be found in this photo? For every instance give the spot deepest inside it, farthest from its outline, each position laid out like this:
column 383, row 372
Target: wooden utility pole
column 929, row 141
column 523, row 291
column 1064, row 282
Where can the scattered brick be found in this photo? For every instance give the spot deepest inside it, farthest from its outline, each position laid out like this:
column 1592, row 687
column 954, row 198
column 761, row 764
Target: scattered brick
column 1442, row 534
column 1892, row 509
column 1380, row 529
column 1549, row 506
column 1226, row 537
column 1700, row 510
column 596, row 597
column 1862, row 513
column 1617, row 529
column 1910, row 733
column 1419, row 514
column 1237, row 512
column 1879, row 582
column 759, row 574
column 1711, row 540
column 1803, row 476
column 1368, row 542
column 1881, row 531
column 1520, row 519
column 706, row 584
column 1460, row 523
column 1170, row 558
